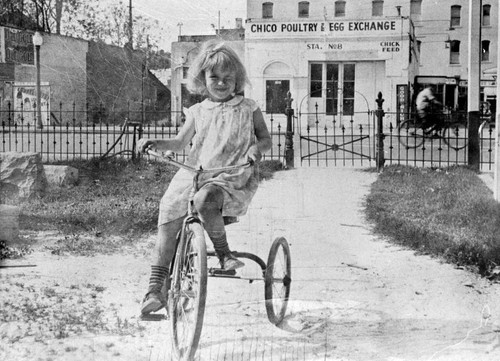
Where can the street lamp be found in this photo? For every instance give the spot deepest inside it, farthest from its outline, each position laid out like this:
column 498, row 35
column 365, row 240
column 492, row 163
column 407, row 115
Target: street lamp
column 37, row 42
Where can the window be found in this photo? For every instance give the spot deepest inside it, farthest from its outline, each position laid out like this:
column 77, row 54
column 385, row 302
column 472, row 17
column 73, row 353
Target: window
column 377, row 8
column 304, row 9
column 339, row 8
column 416, row 7
column 455, row 15
column 455, row 52
column 348, row 89
column 332, row 88
column 276, row 93
column 316, row 80
column 485, row 50
column 486, row 15
column 267, row 10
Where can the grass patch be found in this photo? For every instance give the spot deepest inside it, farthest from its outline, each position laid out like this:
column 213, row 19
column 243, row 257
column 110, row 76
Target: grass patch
column 114, row 197
column 448, row 212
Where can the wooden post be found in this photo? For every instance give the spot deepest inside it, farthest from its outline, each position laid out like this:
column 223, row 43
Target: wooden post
column 289, row 154
column 474, row 75
column 496, row 169
column 380, row 159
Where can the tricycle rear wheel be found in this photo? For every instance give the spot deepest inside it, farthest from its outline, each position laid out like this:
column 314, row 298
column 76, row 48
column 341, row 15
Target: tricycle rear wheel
column 277, row 280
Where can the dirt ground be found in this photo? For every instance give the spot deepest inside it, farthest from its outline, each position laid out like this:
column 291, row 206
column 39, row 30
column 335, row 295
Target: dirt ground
column 354, row 296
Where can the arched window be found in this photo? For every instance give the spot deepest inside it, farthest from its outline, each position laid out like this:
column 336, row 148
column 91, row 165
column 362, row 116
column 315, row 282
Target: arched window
column 377, row 7
column 416, row 7
column 339, row 8
column 486, row 15
column 267, row 10
column 304, row 9
column 485, row 50
column 455, row 52
column 455, row 15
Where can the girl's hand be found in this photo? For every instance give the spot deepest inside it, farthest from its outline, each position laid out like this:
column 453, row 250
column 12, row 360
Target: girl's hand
column 143, row 144
column 254, row 153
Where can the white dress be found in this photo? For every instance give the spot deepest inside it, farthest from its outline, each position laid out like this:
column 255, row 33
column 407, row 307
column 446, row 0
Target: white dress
column 223, row 134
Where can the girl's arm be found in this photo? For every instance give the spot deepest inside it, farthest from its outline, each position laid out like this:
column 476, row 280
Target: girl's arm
column 264, row 142
column 176, row 144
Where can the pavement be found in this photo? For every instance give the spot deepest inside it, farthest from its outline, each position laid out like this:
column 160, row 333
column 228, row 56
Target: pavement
column 488, row 179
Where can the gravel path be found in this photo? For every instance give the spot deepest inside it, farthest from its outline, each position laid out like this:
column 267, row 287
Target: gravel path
column 354, row 296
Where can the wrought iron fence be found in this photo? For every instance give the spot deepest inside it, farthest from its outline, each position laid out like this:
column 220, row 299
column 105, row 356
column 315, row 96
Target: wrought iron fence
column 406, row 143
column 93, row 137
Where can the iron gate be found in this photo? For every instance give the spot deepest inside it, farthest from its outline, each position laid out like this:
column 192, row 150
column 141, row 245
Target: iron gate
column 329, row 139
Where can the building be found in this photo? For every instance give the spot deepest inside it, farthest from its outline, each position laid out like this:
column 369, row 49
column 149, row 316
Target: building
column 442, row 31
column 334, row 56
column 81, row 81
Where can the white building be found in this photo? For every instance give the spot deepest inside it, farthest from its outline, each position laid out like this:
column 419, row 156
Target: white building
column 334, row 56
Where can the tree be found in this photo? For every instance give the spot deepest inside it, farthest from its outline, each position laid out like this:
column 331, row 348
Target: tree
column 101, row 21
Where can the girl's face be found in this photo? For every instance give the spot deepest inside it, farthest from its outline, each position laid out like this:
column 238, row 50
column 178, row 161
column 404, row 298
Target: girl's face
column 221, row 83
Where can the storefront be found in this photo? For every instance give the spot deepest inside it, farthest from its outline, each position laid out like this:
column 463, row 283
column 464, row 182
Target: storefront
column 330, row 67
column 452, row 92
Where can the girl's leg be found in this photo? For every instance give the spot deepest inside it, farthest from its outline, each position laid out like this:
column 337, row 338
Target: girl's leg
column 163, row 254
column 208, row 201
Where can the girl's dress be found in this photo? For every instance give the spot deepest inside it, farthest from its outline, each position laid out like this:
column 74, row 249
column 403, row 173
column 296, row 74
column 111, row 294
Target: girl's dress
column 223, row 134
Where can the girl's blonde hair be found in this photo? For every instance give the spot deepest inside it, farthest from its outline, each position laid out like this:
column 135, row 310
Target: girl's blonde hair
column 215, row 53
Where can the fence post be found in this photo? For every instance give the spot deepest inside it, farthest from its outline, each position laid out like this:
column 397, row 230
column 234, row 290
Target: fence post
column 473, row 151
column 289, row 156
column 380, row 132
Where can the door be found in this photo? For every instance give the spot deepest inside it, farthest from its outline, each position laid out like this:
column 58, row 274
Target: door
column 332, row 89
column 276, row 94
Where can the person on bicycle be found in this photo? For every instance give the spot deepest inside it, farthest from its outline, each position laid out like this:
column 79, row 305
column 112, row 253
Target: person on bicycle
column 428, row 110
column 224, row 129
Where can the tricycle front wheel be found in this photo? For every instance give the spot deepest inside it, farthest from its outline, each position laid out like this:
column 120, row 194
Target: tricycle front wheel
column 188, row 292
column 277, row 280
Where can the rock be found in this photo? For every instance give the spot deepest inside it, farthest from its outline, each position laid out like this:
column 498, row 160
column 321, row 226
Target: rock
column 22, row 177
column 9, row 219
column 60, row 175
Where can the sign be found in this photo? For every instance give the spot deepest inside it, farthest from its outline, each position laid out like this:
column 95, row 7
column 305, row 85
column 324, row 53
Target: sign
column 347, row 28
column 385, row 47
column 25, row 103
column 17, row 46
column 484, row 83
column 402, row 102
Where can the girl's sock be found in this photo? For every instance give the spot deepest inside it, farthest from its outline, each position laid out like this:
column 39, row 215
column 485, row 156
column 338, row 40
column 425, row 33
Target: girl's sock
column 158, row 275
column 220, row 244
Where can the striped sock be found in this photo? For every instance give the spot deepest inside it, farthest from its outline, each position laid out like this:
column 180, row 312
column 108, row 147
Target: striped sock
column 220, row 244
column 158, row 275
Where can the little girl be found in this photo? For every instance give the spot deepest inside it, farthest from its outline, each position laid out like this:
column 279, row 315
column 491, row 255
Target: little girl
column 225, row 129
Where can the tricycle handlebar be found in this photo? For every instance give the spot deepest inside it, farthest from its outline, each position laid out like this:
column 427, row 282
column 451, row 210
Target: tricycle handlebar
column 178, row 164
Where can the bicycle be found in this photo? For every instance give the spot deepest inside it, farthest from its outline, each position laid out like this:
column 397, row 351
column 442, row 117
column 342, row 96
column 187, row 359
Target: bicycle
column 452, row 130
column 187, row 280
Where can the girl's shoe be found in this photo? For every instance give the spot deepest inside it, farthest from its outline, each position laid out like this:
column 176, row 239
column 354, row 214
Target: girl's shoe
column 229, row 262
column 152, row 302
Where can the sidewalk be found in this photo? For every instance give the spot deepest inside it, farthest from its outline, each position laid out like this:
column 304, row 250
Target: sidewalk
column 488, row 179
column 354, row 296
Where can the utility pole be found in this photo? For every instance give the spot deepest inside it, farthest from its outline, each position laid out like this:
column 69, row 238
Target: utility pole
column 130, row 29
column 496, row 170
column 218, row 24
column 474, row 82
